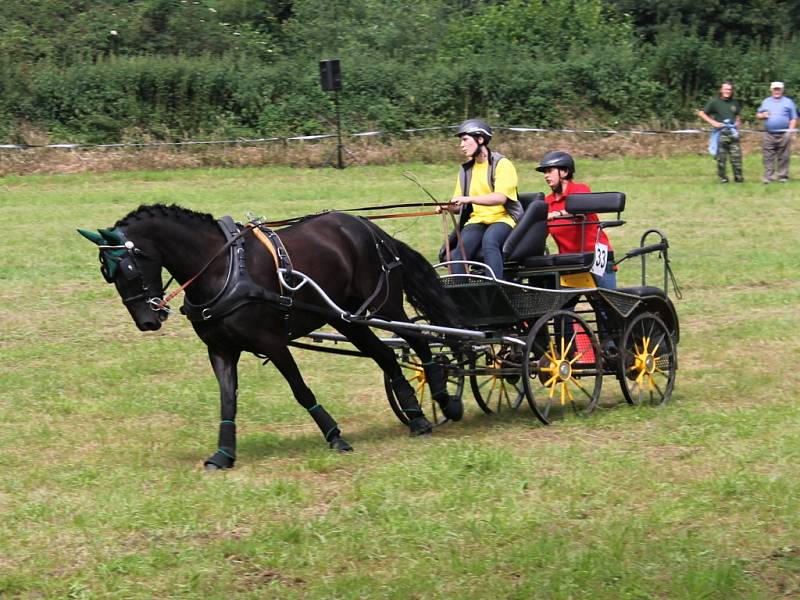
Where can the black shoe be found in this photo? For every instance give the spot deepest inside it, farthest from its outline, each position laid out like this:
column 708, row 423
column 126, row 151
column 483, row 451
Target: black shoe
column 723, row 180
column 739, row 180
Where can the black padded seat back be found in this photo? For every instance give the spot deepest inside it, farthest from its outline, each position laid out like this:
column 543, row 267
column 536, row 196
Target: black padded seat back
column 595, row 202
column 527, row 247
column 525, row 198
column 530, row 233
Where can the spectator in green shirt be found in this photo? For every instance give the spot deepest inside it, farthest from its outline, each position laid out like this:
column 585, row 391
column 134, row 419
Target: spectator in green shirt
column 722, row 113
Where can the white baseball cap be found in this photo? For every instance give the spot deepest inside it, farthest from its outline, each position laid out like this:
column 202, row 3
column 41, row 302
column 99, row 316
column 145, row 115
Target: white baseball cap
column 776, row 84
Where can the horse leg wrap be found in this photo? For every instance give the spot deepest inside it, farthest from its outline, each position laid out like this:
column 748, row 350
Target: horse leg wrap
column 225, row 456
column 326, row 423
column 407, row 399
column 451, row 406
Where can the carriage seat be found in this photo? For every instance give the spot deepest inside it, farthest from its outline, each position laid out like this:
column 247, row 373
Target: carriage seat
column 530, row 233
column 643, row 290
column 581, row 204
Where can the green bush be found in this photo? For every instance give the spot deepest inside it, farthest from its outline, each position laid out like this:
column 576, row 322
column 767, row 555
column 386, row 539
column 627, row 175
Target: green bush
column 164, row 69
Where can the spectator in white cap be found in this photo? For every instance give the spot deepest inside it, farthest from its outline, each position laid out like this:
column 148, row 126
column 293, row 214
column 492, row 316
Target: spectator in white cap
column 779, row 114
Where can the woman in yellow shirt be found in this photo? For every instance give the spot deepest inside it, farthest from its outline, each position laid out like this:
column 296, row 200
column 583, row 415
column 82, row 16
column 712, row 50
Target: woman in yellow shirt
column 486, row 197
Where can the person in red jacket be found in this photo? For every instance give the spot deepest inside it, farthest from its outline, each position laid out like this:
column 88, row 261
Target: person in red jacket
column 570, row 236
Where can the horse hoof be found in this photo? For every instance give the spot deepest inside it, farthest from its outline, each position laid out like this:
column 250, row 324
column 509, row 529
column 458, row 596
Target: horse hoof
column 420, row 426
column 454, row 409
column 340, row 444
column 218, row 462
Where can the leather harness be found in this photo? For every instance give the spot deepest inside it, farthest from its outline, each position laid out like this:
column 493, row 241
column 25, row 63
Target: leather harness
column 239, row 288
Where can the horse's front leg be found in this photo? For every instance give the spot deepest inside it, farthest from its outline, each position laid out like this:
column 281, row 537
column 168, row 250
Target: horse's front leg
column 224, row 364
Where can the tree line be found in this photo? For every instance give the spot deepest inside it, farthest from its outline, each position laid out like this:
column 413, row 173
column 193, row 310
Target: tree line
column 116, row 70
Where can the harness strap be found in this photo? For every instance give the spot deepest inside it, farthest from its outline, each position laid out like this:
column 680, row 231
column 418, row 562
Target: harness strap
column 238, row 289
column 386, row 267
column 189, row 281
column 264, row 241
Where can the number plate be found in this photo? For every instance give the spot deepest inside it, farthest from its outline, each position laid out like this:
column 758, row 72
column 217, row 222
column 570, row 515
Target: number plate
column 600, row 259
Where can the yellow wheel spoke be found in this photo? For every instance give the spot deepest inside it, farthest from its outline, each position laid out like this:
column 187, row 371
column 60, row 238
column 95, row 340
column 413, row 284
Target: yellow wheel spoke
column 651, row 382
column 640, row 379
column 577, row 357
column 564, row 393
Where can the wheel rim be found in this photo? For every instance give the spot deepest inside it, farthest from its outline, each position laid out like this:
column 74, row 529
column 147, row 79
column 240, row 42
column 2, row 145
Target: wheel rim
column 563, row 369
column 495, row 379
column 648, row 362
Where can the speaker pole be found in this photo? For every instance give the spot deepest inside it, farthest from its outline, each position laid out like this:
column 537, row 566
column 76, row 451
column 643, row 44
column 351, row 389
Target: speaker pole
column 330, row 78
column 339, row 163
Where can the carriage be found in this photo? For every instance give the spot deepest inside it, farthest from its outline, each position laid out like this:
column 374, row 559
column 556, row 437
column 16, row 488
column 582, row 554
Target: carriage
column 545, row 333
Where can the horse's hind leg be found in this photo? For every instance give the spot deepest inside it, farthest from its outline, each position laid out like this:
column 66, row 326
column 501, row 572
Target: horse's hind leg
column 452, row 406
column 284, row 361
column 224, row 365
column 368, row 343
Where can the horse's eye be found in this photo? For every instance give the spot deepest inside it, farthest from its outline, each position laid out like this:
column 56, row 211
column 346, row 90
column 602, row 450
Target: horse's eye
column 128, row 268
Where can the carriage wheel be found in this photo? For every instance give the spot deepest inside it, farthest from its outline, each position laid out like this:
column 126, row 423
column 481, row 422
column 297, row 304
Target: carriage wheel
column 411, row 366
column 563, row 366
column 648, row 361
column 495, row 378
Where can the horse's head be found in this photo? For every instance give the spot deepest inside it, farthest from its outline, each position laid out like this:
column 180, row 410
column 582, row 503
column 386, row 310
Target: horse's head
column 136, row 273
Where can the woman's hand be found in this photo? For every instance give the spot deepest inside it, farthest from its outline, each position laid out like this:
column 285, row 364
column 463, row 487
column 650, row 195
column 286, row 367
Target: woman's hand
column 454, row 205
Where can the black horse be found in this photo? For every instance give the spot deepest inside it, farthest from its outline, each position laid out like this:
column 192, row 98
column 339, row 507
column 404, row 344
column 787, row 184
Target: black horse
column 237, row 302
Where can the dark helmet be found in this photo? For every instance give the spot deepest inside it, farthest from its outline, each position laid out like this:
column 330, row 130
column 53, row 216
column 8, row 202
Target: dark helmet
column 558, row 159
column 475, row 127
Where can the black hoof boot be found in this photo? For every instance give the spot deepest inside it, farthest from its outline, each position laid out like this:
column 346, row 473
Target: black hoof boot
column 420, row 426
column 338, row 443
column 218, row 461
column 453, row 409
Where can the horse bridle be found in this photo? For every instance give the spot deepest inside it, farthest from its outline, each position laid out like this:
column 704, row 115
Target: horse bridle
column 123, row 256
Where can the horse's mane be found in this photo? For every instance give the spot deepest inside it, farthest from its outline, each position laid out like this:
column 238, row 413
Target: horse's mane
column 172, row 211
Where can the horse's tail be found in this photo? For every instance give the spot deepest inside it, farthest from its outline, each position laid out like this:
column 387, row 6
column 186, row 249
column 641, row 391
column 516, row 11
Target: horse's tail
column 423, row 289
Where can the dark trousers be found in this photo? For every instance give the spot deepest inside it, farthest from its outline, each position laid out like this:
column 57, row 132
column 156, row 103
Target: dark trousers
column 490, row 240
column 777, row 147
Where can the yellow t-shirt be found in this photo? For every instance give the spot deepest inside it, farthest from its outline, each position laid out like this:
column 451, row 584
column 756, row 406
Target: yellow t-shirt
column 505, row 182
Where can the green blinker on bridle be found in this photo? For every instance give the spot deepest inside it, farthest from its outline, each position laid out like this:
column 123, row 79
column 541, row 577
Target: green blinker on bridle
column 112, row 249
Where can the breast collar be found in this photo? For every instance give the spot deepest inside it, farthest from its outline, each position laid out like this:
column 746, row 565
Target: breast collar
column 239, row 288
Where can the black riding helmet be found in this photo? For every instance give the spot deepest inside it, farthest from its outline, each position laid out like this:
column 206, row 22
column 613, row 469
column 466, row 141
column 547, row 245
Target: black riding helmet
column 475, row 127
column 558, row 159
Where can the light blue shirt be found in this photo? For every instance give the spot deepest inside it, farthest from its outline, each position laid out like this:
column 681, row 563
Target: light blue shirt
column 781, row 111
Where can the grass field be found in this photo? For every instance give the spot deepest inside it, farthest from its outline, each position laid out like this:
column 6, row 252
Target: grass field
column 104, row 429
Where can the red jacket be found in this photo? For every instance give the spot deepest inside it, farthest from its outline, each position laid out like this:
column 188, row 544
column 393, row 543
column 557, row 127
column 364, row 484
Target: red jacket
column 568, row 235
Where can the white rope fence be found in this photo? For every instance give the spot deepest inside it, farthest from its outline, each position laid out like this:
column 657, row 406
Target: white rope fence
column 364, row 134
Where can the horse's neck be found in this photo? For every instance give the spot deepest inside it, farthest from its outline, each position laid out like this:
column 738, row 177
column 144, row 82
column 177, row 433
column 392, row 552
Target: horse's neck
column 186, row 247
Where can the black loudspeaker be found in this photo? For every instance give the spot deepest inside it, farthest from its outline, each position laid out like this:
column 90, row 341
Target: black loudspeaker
column 330, row 75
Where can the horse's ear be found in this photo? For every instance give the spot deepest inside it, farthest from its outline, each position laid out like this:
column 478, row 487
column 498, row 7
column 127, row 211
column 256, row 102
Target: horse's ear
column 92, row 236
column 111, row 237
